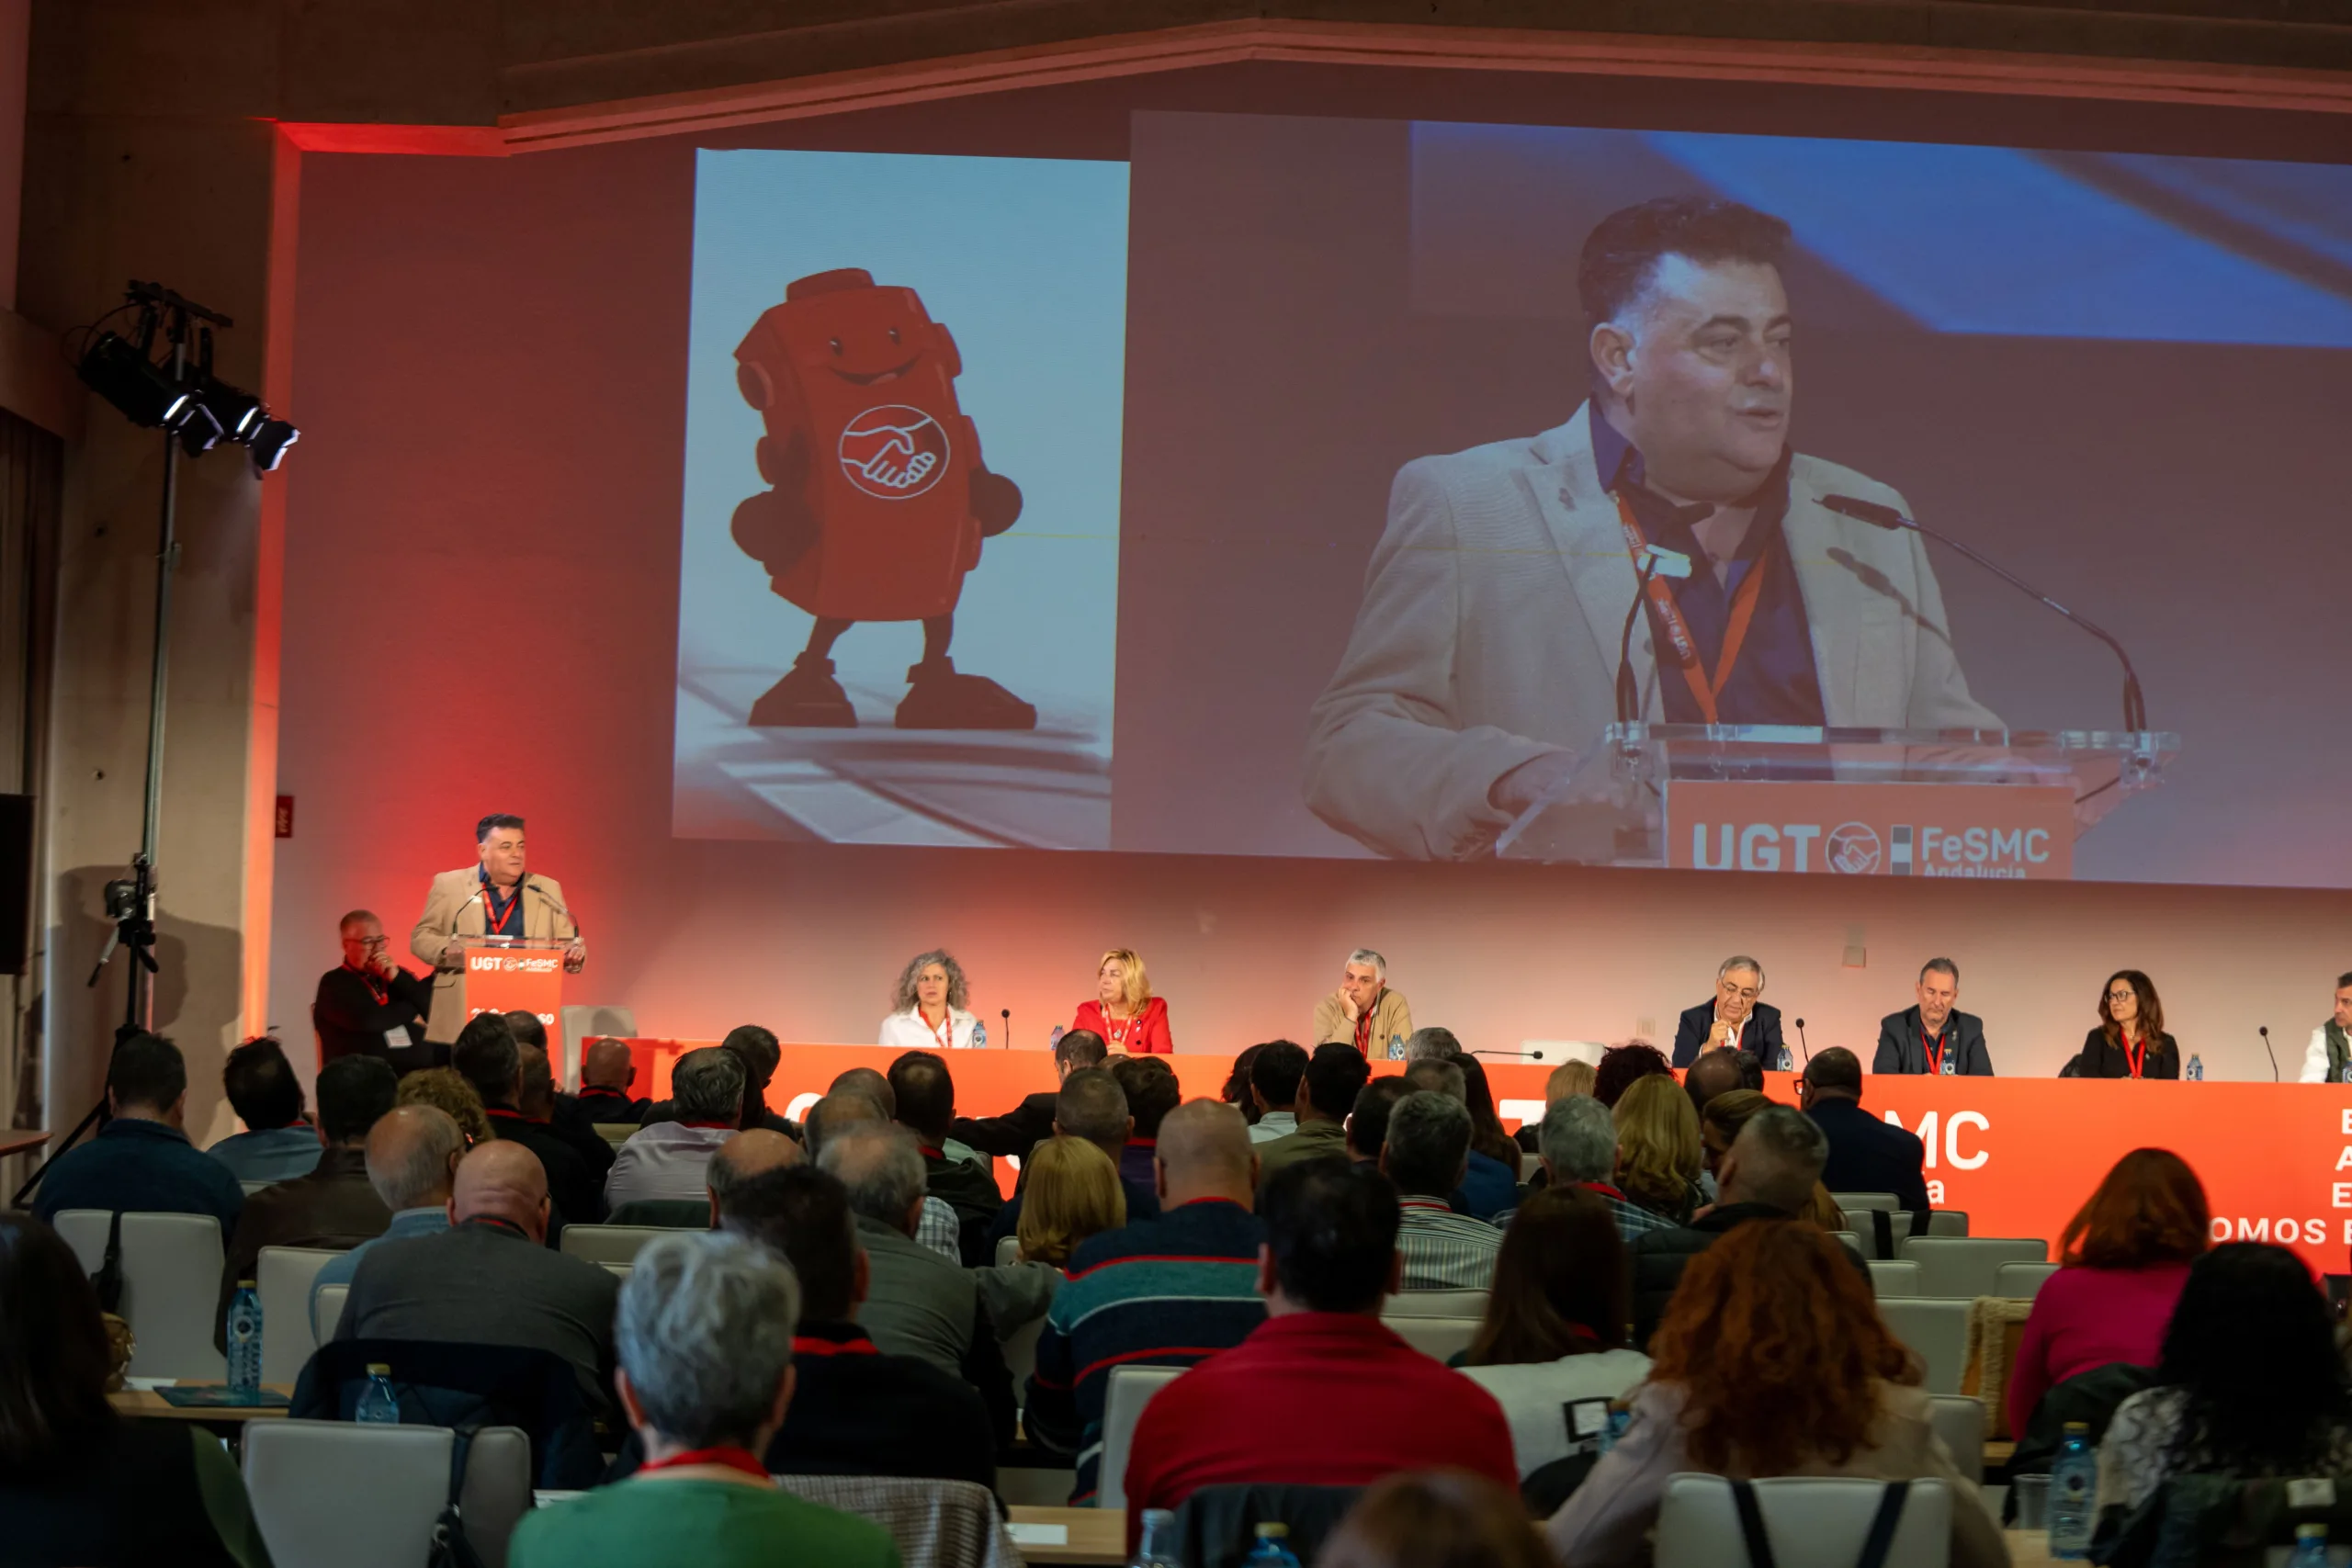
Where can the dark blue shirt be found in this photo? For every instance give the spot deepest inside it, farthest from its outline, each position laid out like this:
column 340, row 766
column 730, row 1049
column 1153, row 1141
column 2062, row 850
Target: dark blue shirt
column 1774, row 681
column 140, row 1167
column 1488, row 1188
column 500, row 916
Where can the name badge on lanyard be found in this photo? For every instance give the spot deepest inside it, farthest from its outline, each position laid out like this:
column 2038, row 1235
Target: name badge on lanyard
column 1705, row 690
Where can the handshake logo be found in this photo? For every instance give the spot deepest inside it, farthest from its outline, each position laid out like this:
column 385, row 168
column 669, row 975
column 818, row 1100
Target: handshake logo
column 893, row 452
column 513, row 962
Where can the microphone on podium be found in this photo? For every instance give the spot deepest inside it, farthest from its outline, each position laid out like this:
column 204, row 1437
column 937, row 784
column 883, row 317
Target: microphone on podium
column 1535, row 1055
column 1878, row 515
column 2265, row 1031
column 1007, row 1015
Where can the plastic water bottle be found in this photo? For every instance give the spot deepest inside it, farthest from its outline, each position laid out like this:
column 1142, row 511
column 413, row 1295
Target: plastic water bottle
column 1272, row 1551
column 379, row 1405
column 2311, row 1547
column 1158, row 1546
column 244, row 1341
column 980, row 1034
column 2196, row 1069
column 2073, row 1492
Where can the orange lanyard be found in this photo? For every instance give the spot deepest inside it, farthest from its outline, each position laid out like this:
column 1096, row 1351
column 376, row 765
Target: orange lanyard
column 945, row 1030
column 2134, row 1058
column 1705, row 691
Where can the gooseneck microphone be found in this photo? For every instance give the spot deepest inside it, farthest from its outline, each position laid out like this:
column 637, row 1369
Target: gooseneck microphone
column 1515, row 1055
column 1800, row 1040
column 1673, row 563
column 1007, row 1015
column 2265, row 1031
column 2135, row 707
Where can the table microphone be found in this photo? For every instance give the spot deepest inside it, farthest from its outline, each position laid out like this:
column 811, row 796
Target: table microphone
column 1520, row 1055
column 2135, row 707
column 1006, row 1016
column 2265, row 1031
column 1800, row 1040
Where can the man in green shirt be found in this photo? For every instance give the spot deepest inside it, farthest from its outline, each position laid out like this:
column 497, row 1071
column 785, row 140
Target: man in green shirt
column 704, row 1331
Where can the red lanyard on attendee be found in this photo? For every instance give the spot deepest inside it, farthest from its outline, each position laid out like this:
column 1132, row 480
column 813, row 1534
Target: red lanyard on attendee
column 1363, row 1030
column 803, row 1345
column 496, row 918
column 1934, row 1046
column 732, row 1458
column 382, row 993
column 1704, row 690
column 2131, row 1055
column 1117, row 1029
column 945, row 1030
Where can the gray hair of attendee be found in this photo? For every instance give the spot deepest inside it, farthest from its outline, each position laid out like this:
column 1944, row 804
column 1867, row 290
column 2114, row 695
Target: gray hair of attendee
column 411, row 1151
column 1947, row 967
column 1431, row 1044
column 1579, row 1140
column 1093, row 1106
column 1778, row 1157
column 1440, row 1077
column 880, row 1166
column 703, row 1330
column 842, row 1109
column 1741, row 960
column 959, row 990
column 707, row 1086
column 1366, row 955
column 1429, row 1138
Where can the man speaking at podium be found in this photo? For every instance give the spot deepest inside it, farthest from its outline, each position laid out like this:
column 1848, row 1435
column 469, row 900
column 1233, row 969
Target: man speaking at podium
column 1485, row 652
column 494, row 897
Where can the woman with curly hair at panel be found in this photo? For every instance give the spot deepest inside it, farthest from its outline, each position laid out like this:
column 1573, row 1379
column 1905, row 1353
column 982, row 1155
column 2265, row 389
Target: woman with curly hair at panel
column 1772, row 1361
column 930, row 1006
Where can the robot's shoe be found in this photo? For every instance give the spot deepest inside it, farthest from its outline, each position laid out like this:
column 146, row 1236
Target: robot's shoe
column 938, row 698
column 806, row 698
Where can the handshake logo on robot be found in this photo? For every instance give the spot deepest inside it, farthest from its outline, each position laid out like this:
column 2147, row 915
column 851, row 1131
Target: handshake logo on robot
column 888, row 529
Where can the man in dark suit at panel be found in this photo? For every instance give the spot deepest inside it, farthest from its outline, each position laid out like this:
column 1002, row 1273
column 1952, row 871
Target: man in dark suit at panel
column 1735, row 1018
column 1866, row 1154
column 1934, row 1036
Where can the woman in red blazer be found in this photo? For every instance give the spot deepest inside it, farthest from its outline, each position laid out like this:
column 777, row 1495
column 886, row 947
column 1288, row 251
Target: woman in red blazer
column 1124, row 1012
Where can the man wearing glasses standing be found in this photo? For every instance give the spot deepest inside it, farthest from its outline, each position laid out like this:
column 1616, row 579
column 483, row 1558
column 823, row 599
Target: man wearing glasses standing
column 369, row 1006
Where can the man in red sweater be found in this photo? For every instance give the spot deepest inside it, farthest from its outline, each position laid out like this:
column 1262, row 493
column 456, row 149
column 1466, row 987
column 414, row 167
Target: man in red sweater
column 1322, row 1393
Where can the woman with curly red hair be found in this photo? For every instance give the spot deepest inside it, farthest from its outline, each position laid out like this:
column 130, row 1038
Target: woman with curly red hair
column 1772, row 1361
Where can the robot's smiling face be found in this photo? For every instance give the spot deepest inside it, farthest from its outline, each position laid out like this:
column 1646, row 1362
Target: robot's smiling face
column 865, row 337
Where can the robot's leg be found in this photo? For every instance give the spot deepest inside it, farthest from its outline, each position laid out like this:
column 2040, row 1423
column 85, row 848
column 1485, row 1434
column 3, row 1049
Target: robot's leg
column 939, row 698
column 809, row 697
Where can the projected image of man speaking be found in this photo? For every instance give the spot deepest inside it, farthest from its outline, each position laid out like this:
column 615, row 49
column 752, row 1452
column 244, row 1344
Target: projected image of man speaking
column 1485, row 652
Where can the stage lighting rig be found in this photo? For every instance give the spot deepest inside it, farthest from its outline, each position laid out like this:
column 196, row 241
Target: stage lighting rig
column 174, row 395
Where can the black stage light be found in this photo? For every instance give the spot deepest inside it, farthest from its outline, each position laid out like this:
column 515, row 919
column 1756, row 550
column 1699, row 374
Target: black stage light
column 238, row 412
column 200, row 430
column 269, row 441
column 141, row 390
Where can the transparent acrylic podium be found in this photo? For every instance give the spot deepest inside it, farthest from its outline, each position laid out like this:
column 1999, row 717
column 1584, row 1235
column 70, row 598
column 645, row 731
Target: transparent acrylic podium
column 2004, row 804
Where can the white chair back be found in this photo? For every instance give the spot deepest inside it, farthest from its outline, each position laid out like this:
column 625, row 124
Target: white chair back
column 1967, row 1266
column 1947, row 1222
column 1959, row 1422
column 1007, row 1252
column 1852, row 1240
column 1936, row 1327
column 1435, row 1304
column 1129, row 1390
column 1862, row 1224
column 253, row 1187
column 1900, row 1278
column 1440, row 1337
column 1851, row 1202
column 1811, row 1521
column 326, row 1310
column 339, row 1495
column 2022, row 1282
column 609, row 1244
column 171, row 1287
column 284, row 1276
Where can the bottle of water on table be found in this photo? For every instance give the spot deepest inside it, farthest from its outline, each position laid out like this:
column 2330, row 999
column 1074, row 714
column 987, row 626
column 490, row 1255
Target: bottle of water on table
column 2195, row 1072
column 379, row 1405
column 2073, row 1492
column 2311, row 1547
column 1273, row 1549
column 1157, row 1547
column 244, row 1341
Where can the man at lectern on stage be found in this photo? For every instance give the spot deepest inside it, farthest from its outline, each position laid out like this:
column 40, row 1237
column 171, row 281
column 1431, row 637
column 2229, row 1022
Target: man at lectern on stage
column 496, row 896
column 1485, row 655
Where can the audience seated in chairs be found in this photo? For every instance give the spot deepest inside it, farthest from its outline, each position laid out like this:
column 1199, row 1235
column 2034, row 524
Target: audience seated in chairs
column 1622, row 1066
column 1578, row 1142
column 924, row 1094
column 1152, row 1091
column 1274, row 1076
column 1161, row 1293
column 1334, row 1076
column 1236, row 1091
column 1555, row 1332
column 412, row 1153
column 1072, row 1195
column 1321, row 1393
column 1030, row 1122
column 333, row 1206
column 1435, row 1519
column 487, row 1057
column 2126, row 1256
column 1487, row 1186
column 919, row 1304
column 279, row 1143
column 759, row 1053
column 863, row 1095
column 855, row 1410
column 607, row 1072
column 1866, row 1154
column 1090, row 1106
column 2249, row 1383
column 1716, row 1072
column 1427, row 1149
column 141, row 1161
column 490, row 1279
column 542, row 1106
column 706, row 1332
column 78, row 1482
column 1658, row 1154
column 1492, row 1149
column 1772, row 1361
column 1368, row 1122
column 446, row 1091
column 670, row 1160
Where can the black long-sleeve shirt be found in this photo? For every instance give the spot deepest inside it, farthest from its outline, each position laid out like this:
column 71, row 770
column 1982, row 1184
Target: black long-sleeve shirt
column 352, row 1021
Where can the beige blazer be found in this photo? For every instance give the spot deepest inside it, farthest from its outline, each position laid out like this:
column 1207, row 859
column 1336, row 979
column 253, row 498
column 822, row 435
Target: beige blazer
column 1392, row 1018
column 1488, row 633
column 452, row 908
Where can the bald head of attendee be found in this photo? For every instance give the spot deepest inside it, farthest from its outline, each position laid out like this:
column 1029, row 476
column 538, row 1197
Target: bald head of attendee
column 842, row 1108
column 1205, row 1152
column 871, row 1084
column 1716, row 1072
column 607, row 1065
column 412, row 1152
column 743, row 1156
column 502, row 1180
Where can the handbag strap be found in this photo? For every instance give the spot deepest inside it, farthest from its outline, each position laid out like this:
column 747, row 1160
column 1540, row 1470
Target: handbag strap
column 1875, row 1546
column 1751, row 1524
column 450, row 1548
column 1883, row 1232
column 108, row 1280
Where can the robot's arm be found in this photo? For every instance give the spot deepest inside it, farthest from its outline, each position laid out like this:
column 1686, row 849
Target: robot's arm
column 777, row 526
column 996, row 502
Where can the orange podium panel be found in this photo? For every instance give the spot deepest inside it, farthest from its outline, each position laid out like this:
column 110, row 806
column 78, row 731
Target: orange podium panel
column 522, row 975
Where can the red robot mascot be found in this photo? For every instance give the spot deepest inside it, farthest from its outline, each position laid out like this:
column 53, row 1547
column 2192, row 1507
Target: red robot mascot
column 877, row 501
